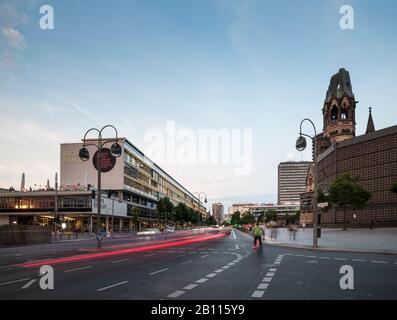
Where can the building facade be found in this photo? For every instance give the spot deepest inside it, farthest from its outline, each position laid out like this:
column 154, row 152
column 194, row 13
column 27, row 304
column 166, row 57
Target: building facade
column 218, row 212
column 292, row 181
column 134, row 184
column 370, row 157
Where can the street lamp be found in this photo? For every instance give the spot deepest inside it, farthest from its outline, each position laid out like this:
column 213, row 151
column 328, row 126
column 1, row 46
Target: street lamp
column 103, row 160
column 199, row 194
column 300, row 146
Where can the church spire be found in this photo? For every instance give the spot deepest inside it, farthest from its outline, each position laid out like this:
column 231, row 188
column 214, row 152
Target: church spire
column 370, row 124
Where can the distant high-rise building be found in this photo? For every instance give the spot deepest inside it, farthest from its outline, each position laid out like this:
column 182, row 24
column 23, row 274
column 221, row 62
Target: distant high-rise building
column 218, row 212
column 292, row 181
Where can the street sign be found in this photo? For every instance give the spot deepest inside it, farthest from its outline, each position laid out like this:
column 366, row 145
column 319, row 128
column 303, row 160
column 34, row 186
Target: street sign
column 322, row 204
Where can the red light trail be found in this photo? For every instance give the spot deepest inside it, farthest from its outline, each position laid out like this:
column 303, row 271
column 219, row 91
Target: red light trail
column 119, row 252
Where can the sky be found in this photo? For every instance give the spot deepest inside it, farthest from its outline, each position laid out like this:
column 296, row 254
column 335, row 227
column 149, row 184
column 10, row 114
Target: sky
column 253, row 66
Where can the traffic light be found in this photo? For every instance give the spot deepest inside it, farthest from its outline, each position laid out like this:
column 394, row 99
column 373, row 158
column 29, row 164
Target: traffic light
column 93, row 194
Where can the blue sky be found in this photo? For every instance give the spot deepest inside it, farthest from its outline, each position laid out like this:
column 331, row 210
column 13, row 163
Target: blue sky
column 245, row 64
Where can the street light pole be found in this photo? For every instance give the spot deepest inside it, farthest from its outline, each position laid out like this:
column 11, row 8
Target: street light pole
column 199, row 194
column 56, row 206
column 115, row 151
column 300, row 146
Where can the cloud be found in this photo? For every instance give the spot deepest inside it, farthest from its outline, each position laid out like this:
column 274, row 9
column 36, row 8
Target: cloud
column 11, row 15
column 14, row 38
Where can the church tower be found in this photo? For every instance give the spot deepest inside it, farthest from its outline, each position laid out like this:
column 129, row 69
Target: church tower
column 339, row 109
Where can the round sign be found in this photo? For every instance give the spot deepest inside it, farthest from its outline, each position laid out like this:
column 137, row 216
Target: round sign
column 64, row 226
column 108, row 160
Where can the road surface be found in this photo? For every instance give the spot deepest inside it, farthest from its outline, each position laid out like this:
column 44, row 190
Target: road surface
column 219, row 268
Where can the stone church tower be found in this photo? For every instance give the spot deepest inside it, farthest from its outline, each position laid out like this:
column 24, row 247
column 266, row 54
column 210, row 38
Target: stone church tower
column 339, row 121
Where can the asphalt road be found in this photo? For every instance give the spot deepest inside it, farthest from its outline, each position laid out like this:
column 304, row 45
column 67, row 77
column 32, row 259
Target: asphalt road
column 222, row 268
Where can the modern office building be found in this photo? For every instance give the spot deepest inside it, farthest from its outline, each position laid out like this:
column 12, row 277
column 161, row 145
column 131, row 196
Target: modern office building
column 292, row 181
column 218, row 212
column 134, row 184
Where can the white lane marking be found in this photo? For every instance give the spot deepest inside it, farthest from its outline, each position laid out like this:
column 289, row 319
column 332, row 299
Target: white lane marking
column 325, row 257
column 258, row 294
column 263, row 286
column 359, row 260
column 376, row 261
column 15, row 281
column 122, row 260
column 29, row 284
column 273, row 269
column 158, row 271
column 202, row 280
column 231, row 264
column 148, row 255
column 187, row 262
column 299, row 255
column 312, row 261
column 235, row 261
column 237, row 247
column 190, row 286
column 270, row 274
column 310, row 256
column 176, row 294
column 205, row 256
column 77, row 269
column 112, row 286
column 266, row 279
column 226, row 267
column 219, row 271
column 234, row 234
column 340, row 259
column 211, row 275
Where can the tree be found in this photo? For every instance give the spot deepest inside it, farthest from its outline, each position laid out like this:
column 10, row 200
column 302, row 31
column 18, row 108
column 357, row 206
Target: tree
column 345, row 191
column 210, row 220
column 165, row 208
column 394, row 188
column 247, row 218
column 181, row 213
column 271, row 215
column 135, row 217
column 235, row 219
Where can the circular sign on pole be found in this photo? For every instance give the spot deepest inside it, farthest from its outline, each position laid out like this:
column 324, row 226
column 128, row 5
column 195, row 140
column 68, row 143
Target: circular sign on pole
column 108, row 160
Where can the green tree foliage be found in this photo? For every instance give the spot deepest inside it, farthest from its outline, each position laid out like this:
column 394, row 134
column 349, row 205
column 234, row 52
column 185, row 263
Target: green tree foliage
column 247, row 218
column 135, row 217
column 345, row 191
column 210, row 220
column 165, row 209
column 270, row 215
column 235, row 219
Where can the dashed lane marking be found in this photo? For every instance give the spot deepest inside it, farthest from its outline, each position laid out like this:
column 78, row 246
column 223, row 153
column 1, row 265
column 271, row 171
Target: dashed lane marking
column 112, row 286
column 158, row 271
column 263, row 286
column 77, row 269
column 149, row 255
column 122, row 260
column 211, row 275
column 14, row 281
column 202, row 280
column 266, row 279
column 176, row 294
column 270, row 274
column 205, row 256
column 29, row 284
column 340, row 259
column 258, row 294
column 237, row 247
column 376, row 261
column 187, row 262
column 190, row 286
column 219, row 271
column 359, row 260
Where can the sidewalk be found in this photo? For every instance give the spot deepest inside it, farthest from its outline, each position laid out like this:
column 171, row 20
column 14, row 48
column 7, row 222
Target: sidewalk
column 382, row 240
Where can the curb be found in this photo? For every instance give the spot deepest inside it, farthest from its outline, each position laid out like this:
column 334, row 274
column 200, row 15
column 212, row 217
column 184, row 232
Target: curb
column 329, row 249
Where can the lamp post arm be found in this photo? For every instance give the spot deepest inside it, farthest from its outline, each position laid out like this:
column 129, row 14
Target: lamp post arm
column 89, row 130
column 109, row 126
